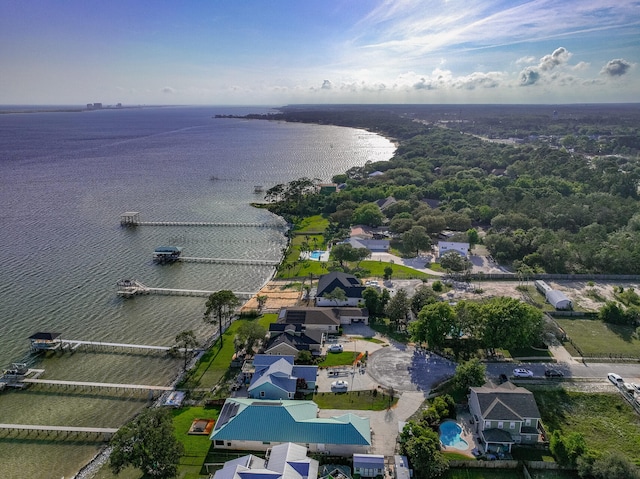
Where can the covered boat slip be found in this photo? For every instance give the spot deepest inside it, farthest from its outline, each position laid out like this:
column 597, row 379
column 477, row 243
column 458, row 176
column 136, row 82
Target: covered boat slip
column 166, row 254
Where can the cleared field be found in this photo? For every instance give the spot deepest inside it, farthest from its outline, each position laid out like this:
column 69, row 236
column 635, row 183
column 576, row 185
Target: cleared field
column 595, row 338
column 605, row 420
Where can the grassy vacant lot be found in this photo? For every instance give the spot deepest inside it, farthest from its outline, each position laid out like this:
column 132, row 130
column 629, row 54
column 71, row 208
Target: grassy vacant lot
column 214, row 365
column 311, row 225
column 606, row 421
column 362, row 400
column 595, row 338
column 376, row 269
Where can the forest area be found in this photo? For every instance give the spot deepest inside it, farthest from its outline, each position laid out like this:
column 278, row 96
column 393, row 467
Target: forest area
column 550, row 189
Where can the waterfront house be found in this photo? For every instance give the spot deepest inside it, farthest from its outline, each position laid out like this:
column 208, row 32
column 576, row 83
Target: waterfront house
column 504, row 415
column 276, row 377
column 285, row 461
column 258, row 425
column 290, row 339
column 325, row 320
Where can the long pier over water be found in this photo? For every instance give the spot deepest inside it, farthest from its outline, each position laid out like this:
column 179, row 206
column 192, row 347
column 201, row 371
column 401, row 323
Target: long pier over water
column 106, row 432
column 132, row 218
column 130, row 287
column 250, row 262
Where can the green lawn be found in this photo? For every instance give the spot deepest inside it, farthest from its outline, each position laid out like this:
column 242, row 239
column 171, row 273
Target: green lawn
column 376, row 269
column 196, row 447
column 606, row 421
column 543, row 474
column 363, row 400
column 345, row 358
column 595, row 338
column 469, row 473
column 371, row 340
column 311, row 224
column 214, row 365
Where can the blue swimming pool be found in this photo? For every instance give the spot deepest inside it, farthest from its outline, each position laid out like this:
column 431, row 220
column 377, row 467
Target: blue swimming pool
column 315, row 255
column 450, row 435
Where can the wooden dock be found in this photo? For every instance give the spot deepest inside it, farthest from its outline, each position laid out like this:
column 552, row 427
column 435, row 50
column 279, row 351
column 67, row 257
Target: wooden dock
column 106, row 432
column 91, row 385
column 248, row 262
column 130, row 287
column 74, row 344
column 132, row 218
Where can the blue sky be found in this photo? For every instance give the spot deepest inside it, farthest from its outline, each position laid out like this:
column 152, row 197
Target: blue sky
column 275, row 52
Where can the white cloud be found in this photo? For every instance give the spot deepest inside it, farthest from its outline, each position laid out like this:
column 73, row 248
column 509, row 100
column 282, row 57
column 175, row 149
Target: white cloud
column 616, row 68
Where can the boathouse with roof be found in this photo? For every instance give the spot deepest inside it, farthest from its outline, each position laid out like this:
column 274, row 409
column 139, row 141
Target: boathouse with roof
column 43, row 341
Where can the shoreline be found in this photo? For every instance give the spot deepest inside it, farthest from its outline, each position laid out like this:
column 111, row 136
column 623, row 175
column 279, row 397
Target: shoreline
column 101, row 458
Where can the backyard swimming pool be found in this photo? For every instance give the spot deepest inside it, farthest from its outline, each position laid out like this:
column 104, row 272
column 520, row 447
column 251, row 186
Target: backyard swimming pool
column 316, row 255
column 450, row 435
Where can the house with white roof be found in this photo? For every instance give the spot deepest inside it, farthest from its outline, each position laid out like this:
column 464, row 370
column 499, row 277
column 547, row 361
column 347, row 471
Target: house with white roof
column 258, row 425
column 445, row 247
column 285, row 461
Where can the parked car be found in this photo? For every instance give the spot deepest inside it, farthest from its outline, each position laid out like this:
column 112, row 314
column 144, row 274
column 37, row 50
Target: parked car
column 615, row 379
column 628, row 387
column 522, row 373
column 553, row 373
column 336, row 348
column 636, row 386
column 339, row 385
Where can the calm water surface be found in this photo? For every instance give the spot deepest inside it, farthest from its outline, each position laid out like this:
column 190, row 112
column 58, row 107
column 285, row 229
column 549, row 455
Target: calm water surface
column 64, row 180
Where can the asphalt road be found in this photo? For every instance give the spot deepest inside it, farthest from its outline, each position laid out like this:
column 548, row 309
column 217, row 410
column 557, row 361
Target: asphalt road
column 630, row 372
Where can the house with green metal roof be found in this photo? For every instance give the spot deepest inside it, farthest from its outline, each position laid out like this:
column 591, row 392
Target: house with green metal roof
column 257, row 425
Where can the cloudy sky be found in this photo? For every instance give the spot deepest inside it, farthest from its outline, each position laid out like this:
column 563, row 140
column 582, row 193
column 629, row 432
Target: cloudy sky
column 275, row 52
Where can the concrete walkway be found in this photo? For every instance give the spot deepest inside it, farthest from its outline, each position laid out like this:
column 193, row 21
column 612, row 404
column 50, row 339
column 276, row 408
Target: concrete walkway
column 561, row 355
column 385, row 424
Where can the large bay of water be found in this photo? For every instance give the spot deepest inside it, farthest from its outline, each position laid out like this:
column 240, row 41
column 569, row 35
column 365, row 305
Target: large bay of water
column 65, row 178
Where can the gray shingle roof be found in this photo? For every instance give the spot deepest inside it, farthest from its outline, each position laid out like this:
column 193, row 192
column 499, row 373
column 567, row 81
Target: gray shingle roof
column 506, row 402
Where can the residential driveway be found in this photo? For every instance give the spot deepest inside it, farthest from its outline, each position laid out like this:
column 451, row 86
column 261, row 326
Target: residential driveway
column 385, row 425
column 390, row 365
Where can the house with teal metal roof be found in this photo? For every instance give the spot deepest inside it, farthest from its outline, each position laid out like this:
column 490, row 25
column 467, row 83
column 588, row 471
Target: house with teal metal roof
column 257, row 425
column 276, row 377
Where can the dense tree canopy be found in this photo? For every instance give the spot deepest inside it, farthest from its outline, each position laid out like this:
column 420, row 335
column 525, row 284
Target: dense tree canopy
column 554, row 208
column 147, row 443
column 499, row 322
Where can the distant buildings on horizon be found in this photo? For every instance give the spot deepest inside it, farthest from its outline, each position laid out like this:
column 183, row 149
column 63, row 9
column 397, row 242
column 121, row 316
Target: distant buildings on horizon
column 99, row 106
